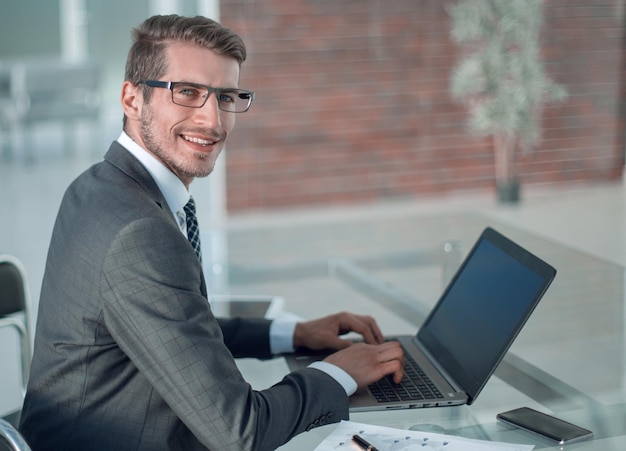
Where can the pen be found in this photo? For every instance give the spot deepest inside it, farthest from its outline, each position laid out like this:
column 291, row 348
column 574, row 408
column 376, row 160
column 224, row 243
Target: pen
column 364, row 443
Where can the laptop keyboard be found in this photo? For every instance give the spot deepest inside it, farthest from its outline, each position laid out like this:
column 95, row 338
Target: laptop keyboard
column 415, row 385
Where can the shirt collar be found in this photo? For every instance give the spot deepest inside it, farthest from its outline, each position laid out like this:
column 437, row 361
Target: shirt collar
column 172, row 188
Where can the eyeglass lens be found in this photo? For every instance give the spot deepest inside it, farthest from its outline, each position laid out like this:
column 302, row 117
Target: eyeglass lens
column 190, row 95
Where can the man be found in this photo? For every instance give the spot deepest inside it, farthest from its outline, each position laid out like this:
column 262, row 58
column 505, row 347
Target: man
column 128, row 354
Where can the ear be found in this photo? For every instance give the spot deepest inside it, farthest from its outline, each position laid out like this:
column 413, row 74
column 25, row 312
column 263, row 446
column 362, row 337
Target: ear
column 132, row 100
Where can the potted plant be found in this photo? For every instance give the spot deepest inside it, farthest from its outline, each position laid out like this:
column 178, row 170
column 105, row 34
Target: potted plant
column 501, row 80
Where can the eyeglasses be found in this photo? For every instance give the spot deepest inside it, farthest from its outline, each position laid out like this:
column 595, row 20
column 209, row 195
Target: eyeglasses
column 194, row 95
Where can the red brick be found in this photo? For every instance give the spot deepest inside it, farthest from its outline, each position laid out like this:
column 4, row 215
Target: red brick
column 353, row 102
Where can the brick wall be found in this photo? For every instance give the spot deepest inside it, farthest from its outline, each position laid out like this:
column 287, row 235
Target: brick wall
column 353, row 102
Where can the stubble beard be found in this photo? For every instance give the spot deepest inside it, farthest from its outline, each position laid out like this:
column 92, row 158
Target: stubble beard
column 177, row 165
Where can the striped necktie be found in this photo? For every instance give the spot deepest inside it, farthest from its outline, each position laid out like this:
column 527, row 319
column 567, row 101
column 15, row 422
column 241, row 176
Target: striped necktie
column 193, row 232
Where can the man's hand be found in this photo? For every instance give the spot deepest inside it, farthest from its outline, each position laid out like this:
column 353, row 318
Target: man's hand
column 324, row 333
column 368, row 363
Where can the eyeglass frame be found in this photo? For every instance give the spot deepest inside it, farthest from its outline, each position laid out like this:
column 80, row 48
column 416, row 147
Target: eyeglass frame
column 217, row 91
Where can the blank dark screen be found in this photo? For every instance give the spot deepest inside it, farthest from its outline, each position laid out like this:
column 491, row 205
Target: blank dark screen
column 483, row 310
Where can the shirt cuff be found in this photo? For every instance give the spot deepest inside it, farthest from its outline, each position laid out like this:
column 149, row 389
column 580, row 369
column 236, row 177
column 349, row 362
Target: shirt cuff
column 281, row 335
column 343, row 378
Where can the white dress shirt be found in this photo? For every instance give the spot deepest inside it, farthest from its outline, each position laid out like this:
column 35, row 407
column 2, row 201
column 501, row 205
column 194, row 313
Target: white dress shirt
column 176, row 196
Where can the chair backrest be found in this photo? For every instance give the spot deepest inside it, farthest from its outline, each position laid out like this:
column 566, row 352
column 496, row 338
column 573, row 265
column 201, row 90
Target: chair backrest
column 14, row 299
column 12, row 286
column 10, row 438
column 5, row 81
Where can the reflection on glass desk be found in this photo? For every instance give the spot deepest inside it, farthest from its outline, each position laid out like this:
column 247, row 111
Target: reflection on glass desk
column 569, row 360
column 247, row 306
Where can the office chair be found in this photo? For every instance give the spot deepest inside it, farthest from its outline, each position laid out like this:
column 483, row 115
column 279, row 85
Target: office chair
column 11, row 439
column 15, row 299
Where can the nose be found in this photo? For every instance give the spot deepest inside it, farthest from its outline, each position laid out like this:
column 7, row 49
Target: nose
column 210, row 113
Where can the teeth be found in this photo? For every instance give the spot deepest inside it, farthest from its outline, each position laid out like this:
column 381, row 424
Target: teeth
column 202, row 142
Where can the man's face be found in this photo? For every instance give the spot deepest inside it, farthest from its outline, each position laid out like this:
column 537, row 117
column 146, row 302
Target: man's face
column 187, row 140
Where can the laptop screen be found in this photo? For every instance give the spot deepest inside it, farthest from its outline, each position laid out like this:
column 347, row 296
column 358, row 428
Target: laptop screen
column 483, row 309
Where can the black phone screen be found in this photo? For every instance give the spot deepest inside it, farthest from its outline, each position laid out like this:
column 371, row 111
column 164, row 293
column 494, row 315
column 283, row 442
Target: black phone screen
column 546, row 425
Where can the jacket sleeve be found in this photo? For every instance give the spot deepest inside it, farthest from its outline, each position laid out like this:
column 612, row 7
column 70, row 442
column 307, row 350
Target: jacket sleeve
column 157, row 314
column 247, row 337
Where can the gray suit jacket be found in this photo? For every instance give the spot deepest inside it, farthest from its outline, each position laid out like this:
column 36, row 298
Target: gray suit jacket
column 128, row 355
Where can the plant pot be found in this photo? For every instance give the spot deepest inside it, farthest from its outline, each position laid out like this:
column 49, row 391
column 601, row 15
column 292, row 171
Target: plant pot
column 509, row 192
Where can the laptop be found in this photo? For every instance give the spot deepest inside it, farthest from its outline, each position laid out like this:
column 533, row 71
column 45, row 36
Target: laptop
column 468, row 331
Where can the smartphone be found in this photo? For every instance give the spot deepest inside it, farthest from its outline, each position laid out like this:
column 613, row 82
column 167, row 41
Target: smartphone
column 545, row 425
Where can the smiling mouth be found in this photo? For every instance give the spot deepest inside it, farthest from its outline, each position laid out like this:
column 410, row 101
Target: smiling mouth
column 202, row 142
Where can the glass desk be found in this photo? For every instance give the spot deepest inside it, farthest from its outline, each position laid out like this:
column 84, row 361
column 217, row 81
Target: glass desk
column 569, row 360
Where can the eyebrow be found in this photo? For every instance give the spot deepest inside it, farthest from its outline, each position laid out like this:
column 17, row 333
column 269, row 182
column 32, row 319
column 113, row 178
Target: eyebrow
column 210, row 86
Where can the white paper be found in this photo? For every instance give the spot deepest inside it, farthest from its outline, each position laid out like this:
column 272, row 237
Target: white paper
column 390, row 439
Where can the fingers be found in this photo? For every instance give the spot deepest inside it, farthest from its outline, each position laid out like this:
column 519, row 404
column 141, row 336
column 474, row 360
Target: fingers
column 369, row 363
column 361, row 324
column 324, row 333
column 391, row 358
column 393, row 355
column 391, row 351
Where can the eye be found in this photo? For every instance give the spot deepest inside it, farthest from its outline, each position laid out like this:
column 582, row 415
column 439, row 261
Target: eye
column 228, row 96
column 188, row 91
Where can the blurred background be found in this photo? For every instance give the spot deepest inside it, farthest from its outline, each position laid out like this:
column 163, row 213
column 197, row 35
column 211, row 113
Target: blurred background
column 353, row 96
column 354, row 109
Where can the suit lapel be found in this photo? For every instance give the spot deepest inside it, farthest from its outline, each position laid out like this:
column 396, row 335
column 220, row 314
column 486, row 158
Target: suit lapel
column 122, row 159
